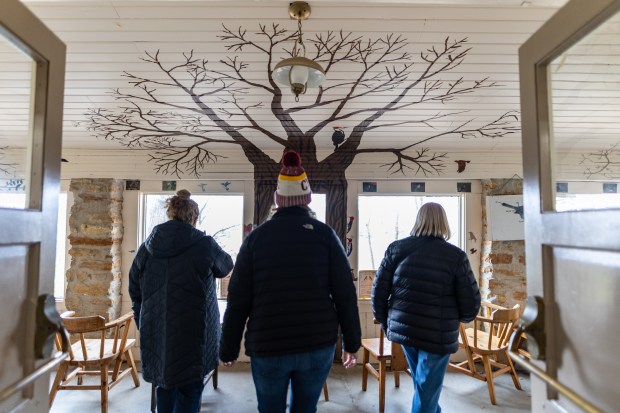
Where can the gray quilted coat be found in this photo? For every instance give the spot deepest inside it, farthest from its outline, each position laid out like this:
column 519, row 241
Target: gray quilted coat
column 172, row 289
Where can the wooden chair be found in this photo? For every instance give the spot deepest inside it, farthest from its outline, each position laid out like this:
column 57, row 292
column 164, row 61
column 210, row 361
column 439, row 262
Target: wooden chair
column 101, row 356
column 487, row 342
column 390, row 358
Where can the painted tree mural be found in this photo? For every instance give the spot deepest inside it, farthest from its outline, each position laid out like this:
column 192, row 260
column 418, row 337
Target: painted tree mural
column 180, row 135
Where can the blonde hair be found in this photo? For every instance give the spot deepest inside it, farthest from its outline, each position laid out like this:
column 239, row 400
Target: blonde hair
column 431, row 222
column 182, row 208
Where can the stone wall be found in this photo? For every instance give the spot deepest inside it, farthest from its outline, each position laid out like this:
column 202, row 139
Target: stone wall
column 502, row 272
column 96, row 234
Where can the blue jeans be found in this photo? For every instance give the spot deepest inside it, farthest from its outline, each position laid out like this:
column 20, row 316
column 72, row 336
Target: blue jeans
column 306, row 372
column 427, row 371
column 183, row 399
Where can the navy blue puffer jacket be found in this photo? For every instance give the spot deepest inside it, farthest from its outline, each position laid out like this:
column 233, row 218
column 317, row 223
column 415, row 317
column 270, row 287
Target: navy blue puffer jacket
column 172, row 288
column 423, row 289
column 293, row 281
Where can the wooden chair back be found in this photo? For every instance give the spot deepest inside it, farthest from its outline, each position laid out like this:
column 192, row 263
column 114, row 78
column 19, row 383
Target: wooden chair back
column 80, row 327
column 497, row 323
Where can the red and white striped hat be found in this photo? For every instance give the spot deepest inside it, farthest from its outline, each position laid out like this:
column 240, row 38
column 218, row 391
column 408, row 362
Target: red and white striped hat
column 293, row 186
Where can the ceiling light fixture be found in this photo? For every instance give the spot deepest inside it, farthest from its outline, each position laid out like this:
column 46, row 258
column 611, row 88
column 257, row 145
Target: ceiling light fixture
column 298, row 71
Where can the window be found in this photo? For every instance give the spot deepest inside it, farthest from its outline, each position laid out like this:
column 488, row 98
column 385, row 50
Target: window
column 384, row 219
column 61, row 248
column 221, row 216
column 318, row 206
column 579, row 202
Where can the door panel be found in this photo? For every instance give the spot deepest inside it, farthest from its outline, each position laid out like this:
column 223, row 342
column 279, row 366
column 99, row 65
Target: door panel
column 31, row 154
column 586, row 284
column 13, row 294
column 573, row 256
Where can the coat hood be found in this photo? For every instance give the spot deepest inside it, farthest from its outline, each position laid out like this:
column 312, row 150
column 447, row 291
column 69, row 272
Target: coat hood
column 172, row 238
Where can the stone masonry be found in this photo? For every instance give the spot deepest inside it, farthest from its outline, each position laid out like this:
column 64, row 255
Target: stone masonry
column 96, row 234
column 502, row 279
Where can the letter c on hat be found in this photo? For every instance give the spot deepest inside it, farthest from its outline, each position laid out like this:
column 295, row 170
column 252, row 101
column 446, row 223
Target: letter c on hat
column 304, row 184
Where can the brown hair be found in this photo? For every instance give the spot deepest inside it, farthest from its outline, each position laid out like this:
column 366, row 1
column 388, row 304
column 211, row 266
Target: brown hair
column 431, row 221
column 181, row 208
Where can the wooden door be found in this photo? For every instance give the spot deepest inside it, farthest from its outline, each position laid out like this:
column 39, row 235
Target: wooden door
column 32, row 64
column 570, row 103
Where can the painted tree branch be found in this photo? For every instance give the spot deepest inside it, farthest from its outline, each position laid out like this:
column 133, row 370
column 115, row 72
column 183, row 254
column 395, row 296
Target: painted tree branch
column 6, row 167
column 604, row 163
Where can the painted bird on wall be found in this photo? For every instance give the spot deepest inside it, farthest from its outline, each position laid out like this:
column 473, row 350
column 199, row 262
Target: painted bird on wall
column 350, row 224
column 461, row 165
column 349, row 246
column 337, row 136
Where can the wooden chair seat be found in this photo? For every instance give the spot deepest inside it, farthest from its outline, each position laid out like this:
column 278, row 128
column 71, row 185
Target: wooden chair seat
column 373, row 345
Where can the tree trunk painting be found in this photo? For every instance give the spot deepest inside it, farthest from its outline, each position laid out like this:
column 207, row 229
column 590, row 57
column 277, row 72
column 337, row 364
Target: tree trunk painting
column 221, row 107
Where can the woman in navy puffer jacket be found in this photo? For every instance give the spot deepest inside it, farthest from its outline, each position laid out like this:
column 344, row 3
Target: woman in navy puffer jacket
column 172, row 289
column 423, row 290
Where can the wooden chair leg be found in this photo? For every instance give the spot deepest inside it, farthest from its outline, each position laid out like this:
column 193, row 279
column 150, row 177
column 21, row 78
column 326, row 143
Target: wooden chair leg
column 117, row 368
column 152, row 398
column 60, row 376
column 396, row 379
column 80, row 377
column 470, row 360
column 132, row 366
column 488, row 374
column 326, row 392
column 381, row 386
column 365, row 369
column 104, row 388
column 513, row 373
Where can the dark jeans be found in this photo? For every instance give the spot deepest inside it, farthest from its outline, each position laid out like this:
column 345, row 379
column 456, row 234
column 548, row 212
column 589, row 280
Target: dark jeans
column 183, row 399
column 306, row 372
column 427, row 371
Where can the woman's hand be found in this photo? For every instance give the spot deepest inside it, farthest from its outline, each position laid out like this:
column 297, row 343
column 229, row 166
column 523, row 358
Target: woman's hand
column 228, row 363
column 348, row 359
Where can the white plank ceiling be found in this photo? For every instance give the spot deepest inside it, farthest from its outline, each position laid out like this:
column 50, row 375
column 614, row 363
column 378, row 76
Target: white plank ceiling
column 107, row 38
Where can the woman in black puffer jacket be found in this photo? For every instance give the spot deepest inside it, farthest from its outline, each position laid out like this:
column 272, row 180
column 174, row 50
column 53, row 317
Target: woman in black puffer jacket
column 423, row 290
column 292, row 284
column 172, row 289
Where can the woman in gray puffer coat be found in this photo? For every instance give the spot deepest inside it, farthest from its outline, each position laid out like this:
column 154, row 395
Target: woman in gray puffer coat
column 423, row 290
column 172, row 289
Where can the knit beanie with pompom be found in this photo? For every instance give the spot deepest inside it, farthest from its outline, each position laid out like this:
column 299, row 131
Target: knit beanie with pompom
column 293, row 186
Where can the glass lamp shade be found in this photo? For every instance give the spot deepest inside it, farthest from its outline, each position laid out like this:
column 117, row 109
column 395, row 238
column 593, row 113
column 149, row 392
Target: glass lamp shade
column 299, row 70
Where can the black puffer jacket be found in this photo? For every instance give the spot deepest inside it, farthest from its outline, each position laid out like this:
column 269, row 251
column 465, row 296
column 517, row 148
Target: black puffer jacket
column 423, row 289
column 293, row 280
column 172, row 288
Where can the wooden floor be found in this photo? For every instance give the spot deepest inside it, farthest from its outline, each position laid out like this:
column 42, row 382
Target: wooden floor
column 235, row 394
